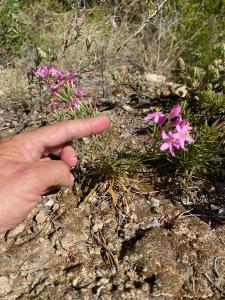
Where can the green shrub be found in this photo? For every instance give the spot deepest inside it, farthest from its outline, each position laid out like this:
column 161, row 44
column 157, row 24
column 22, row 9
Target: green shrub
column 206, row 155
column 200, row 25
column 198, row 79
column 13, row 27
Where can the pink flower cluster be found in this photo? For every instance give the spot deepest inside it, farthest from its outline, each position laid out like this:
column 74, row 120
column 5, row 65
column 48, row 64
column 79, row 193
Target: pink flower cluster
column 64, row 87
column 174, row 130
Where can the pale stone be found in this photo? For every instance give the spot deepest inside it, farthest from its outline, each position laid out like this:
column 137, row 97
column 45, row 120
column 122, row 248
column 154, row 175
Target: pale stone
column 181, row 91
column 41, row 217
column 156, row 78
column 50, row 203
column 4, row 285
column 17, row 230
column 155, row 202
column 97, row 226
column 127, row 108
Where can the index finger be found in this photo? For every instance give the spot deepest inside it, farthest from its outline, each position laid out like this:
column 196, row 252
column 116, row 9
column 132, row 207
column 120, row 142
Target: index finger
column 63, row 132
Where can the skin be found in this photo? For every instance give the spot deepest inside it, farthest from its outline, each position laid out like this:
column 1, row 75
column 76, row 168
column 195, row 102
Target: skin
column 26, row 175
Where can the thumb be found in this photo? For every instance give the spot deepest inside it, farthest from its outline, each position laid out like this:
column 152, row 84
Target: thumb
column 46, row 174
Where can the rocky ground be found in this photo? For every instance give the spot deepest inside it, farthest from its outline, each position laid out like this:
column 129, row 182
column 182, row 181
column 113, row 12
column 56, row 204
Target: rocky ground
column 161, row 246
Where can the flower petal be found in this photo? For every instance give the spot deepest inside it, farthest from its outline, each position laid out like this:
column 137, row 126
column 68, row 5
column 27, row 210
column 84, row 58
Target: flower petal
column 175, row 111
column 164, row 135
column 171, row 150
column 164, row 147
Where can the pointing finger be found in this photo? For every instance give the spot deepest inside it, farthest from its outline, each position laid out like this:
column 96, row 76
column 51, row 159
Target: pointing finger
column 39, row 140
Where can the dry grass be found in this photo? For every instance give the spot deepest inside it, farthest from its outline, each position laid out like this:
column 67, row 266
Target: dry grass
column 92, row 37
column 14, row 85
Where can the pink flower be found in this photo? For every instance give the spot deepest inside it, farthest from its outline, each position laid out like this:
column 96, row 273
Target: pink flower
column 158, row 117
column 182, row 135
column 54, row 104
column 54, row 72
column 71, row 77
column 175, row 111
column 169, row 142
column 180, row 122
column 55, row 87
column 74, row 102
column 79, row 93
column 47, row 70
column 42, row 71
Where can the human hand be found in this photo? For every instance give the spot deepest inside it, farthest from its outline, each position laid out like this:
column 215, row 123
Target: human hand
column 25, row 175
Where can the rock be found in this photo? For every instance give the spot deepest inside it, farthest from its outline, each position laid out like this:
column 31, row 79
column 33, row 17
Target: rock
column 17, row 230
column 4, row 285
column 171, row 84
column 50, row 203
column 156, row 78
column 155, row 223
column 127, row 108
column 181, row 91
column 56, row 206
column 221, row 211
column 97, row 226
column 75, row 282
column 71, row 239
column 155, row 202
column 125, row 135
column 85, row 140
column 145, row 110
column 41, row 217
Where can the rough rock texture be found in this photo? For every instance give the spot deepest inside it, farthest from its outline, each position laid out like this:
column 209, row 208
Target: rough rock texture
column 87, row 252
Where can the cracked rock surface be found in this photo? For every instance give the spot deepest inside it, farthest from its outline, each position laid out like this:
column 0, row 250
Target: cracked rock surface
column 67, row 251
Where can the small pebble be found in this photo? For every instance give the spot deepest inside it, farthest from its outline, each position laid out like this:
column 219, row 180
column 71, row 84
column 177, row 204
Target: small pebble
column 50, row 203
column 127, row 108
column 40, row 217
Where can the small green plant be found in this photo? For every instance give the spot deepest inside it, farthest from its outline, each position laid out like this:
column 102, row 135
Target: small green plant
column 206, row 155
column 108, row 168
column 211, row 102
column 81, row 111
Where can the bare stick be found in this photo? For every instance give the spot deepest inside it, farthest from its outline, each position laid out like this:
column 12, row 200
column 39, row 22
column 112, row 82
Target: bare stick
column 149, row 18
column 215, row 266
